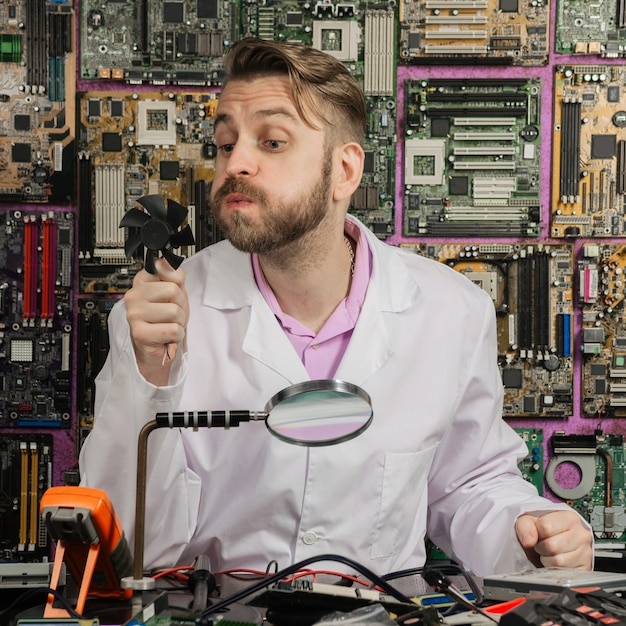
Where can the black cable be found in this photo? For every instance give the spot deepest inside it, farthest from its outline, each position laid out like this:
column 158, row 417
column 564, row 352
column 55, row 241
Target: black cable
column 33, row 593
column 446, row 568
column 266, row 582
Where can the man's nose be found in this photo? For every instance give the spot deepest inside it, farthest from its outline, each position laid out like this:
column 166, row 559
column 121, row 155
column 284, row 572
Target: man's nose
column 241, row 161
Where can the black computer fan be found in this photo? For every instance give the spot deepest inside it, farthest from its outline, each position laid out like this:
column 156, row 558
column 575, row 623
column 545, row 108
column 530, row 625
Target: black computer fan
column 157, row 230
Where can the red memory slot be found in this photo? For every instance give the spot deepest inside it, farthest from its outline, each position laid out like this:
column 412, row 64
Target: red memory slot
column 30, row 267
column 48, row 269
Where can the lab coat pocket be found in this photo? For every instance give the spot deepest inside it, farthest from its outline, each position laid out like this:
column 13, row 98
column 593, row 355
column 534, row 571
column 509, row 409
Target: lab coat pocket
column 402, row 492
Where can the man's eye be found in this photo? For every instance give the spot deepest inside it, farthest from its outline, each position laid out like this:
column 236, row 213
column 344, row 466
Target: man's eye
column 274, row 144
column 226, row 148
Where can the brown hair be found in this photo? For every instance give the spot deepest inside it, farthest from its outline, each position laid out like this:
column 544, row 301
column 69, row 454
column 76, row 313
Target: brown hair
column 321, row 85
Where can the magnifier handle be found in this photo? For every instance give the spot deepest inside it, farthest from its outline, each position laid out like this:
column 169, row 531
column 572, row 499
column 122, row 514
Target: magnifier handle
column 206, row 419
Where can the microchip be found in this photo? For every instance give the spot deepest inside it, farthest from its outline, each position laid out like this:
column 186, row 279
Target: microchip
column 111, row 142
column 459, row 185
column 509, row 6
column 600, row 386
column 173, row 12
column 440, row 127
column 117, row 108
column 20, row 153
column 603, row 146
column 598, row 369
column 368, row 166
column 207, row 9
column 294, row 18
column 530, row 404
column 187, row 43
column 512, row 378
column 94, row 108
column 22, row 122
column 612, row 93
column 168, row 170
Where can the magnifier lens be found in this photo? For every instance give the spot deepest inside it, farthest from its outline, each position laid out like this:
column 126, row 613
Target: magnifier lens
column 320, row 413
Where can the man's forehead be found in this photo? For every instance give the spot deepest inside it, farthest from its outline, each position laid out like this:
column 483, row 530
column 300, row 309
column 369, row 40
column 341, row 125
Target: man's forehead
column 256, row 92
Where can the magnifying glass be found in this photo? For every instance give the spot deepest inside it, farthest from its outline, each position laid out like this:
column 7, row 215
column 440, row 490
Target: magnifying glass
column 319, row 413
column 310, row 413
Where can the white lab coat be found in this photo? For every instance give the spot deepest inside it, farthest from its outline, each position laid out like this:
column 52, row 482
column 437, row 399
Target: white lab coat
column 437, row 459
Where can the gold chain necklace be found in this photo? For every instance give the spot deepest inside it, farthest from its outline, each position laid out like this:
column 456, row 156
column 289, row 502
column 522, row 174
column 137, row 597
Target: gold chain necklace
column 345, row 238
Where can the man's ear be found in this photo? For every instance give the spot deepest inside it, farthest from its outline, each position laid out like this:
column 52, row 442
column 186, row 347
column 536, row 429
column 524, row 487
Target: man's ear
column 350, row 157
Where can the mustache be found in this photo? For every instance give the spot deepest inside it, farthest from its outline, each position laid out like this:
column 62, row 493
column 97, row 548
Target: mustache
column 234, row 185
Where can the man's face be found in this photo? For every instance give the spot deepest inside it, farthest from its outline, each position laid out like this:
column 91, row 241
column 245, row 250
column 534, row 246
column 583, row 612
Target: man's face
column 273, row 175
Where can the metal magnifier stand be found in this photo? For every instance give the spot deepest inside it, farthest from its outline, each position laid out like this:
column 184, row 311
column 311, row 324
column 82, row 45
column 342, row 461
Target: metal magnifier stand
column 311, row 413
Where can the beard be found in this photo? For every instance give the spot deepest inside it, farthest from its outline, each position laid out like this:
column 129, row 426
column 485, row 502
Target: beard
column 283, row 221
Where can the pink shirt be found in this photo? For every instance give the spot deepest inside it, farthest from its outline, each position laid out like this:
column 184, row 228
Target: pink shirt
column 321, row 353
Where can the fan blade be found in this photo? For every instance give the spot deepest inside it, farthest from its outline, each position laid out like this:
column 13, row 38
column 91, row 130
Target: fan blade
column 154, row 205
column 131, row 245
column 148, row 264
column 173, row 259
column 176, row 214
column 134, row 218
column 183, row 237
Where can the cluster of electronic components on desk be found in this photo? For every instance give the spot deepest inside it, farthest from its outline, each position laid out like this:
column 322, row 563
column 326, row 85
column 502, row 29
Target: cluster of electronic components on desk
column 91, row 546
column 541, row 597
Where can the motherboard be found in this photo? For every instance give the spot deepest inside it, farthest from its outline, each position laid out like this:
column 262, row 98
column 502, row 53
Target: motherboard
column 601, row 296
column 498, row 32
column 531, row 286
column 25, row 473
column 36, row 318
column 589, row 147
column 591, row 28
column 598, row 493
column 37, row 87
column 472, row 157
column 136, row 144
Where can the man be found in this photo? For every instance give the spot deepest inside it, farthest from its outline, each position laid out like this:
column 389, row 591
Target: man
column 301, row 290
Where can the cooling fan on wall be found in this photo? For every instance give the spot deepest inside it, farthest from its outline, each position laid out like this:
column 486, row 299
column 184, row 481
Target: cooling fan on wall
column 158, row 230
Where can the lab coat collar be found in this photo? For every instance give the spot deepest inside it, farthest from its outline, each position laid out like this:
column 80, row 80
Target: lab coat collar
column 230, row 284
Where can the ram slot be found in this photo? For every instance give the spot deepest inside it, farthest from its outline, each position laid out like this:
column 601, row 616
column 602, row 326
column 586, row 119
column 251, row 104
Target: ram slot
column 31, row 242
column 48, row 270
column 23, row 494
column 144, row 25
column 36, row 53
column 525, row 305
column 110, row 205
column 85, row 206
column 542, row 301
column 564, row 334
column 570, row 151
column 379, row 78
column 59, row 44
column 621, row 13
column 34, row 492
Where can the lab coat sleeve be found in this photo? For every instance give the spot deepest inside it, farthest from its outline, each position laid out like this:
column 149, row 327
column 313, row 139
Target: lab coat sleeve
column 476, row 491
column 124, row 402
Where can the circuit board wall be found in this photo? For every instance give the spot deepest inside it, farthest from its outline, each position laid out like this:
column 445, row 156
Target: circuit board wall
column 464, row 157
